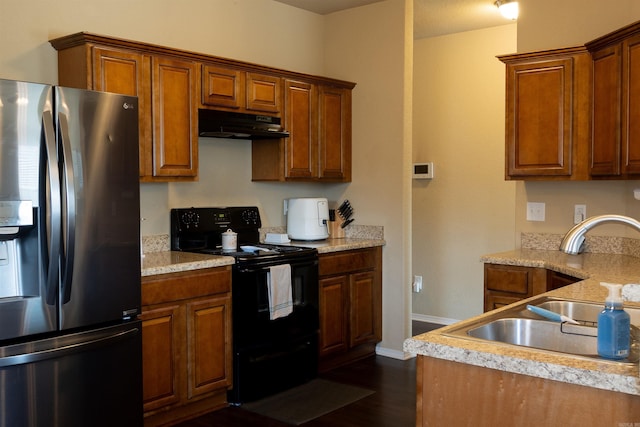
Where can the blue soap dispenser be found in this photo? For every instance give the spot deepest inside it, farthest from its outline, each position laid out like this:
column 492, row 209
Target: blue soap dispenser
column 613, row 326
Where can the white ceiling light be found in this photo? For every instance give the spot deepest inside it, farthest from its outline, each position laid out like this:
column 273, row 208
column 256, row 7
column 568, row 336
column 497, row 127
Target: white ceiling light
column 508, row 8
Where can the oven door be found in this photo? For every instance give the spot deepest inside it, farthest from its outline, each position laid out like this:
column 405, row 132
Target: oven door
column 252, row 326
column 273, row 355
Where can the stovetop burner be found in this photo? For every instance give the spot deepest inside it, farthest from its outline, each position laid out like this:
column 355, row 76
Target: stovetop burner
column 259, row 249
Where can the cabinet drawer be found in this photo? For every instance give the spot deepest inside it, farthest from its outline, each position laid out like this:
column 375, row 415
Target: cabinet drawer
column 343, row 262
column 185, row 285
column 222, row 87
column 504, row 278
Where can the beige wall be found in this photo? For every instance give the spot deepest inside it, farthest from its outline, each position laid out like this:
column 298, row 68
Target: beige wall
column 467, row 209
column 448, row 232
column 549, row 24
column 252, row 30
column 365, row 45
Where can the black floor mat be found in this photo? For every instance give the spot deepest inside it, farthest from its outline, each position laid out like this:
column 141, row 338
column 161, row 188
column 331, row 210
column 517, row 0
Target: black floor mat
column 308, row 401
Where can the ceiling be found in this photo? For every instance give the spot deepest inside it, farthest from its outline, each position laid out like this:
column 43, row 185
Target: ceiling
column 431, row 17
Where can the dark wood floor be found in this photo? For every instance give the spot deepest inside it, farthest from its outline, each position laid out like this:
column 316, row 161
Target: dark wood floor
column 392, row 404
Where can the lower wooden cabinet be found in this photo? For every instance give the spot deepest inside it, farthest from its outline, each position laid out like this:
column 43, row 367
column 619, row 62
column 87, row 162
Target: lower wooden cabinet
column 186, row 344
column 350, row 305
column 506, row 284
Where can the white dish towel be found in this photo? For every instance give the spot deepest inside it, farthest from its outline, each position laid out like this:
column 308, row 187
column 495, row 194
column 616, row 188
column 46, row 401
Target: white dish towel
column 279, row 291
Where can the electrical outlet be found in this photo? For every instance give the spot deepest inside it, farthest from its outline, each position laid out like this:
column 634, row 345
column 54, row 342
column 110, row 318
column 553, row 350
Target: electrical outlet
column 535, row 211
column 579, row 213
column 417, row 283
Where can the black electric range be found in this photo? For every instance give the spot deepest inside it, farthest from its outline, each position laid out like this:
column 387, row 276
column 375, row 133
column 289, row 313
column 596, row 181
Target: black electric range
column 268, row 355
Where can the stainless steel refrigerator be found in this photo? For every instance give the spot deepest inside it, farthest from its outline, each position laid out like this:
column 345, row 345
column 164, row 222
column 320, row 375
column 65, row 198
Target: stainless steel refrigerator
column 70, row 340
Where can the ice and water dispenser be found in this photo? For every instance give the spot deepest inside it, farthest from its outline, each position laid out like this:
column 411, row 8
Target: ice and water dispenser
column 18, row 250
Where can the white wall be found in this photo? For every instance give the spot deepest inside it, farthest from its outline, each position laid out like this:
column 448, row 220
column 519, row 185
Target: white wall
column 467, row 209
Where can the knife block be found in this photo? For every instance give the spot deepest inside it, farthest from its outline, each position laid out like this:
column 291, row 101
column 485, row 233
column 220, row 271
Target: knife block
column 335, row 231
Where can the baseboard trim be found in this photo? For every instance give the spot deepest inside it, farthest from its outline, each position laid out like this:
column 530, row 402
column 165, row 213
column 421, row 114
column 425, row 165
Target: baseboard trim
column 403, row 355
column 394, row 354
column 433, row 319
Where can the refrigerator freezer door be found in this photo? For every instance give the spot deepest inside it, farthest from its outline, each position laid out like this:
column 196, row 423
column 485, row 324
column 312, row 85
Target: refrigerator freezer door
column 98, row 138
column 88, row 379
column 27, row 305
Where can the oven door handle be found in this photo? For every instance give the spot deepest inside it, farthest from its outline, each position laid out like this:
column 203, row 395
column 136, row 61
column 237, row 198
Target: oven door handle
column 255, row 268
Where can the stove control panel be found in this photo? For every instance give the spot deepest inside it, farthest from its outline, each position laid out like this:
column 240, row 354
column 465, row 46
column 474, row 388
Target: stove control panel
column 190, row 219
column 203, row 227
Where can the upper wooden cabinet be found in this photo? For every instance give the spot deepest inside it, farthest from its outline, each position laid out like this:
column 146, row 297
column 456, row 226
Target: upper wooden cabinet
column 318, row 117
column 172, row 84
column 238, row 90
column 175, row 118
column 117, row 71
column 615, row 151
column 547, row 114
column 334, row 144
column 166, row 86
column 301, row 119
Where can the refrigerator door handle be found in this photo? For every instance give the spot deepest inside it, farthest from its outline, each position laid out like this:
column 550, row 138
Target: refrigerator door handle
column 70, row 208
column 54, row 207
column 71, row 348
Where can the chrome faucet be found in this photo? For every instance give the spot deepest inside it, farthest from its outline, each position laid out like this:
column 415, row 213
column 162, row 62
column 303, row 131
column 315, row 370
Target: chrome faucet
column 573, row 242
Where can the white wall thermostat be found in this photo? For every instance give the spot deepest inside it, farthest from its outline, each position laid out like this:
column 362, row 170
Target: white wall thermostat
column 423, row 170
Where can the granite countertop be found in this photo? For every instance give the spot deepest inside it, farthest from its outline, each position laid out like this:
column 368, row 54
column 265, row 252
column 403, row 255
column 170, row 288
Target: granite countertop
column 158, row 259
column 597, row 373
column 173, row 262
column 337, row 245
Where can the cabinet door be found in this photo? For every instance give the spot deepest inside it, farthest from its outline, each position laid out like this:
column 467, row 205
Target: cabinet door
column 300, row 147
column 333, row 314
column 506, row 284
column 631, row 117
column 334, row 145
column 557, row 280
column 263, row 93
column 222, row 87
column 175, row 118
column 539, row 96
column 364, row 316
column 162, row 354
column 607, row 92
column 127, row 73
column 209, row 345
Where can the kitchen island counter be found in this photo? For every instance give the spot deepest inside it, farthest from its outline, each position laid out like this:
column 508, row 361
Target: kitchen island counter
column 595, row 373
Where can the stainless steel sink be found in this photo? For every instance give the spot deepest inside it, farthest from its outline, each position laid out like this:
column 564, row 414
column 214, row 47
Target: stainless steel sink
column 518, row 326
column 541, row 334
column 584, row 312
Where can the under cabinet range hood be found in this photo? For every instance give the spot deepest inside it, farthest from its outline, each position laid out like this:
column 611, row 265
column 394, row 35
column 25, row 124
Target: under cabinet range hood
column 224, row 124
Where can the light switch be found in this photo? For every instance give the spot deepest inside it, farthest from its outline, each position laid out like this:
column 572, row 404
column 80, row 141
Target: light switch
column 535, row 211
